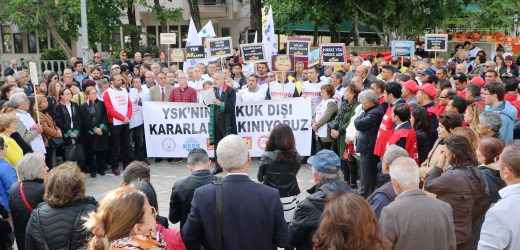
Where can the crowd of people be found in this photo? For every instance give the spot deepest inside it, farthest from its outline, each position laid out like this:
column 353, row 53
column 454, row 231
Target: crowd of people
column 407, row 154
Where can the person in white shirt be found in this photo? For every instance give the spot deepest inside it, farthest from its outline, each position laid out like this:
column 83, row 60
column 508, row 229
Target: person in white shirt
column 312, row 88
column 501, row 228
column 138, row 94
column 198, row 81
column 282, row 88
column 252, row 92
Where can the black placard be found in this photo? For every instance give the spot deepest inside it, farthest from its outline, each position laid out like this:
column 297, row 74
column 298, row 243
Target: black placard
column 333, row 54
column 298, row 48
column 195, row 52
column 436, row 42
column 252, row 52
column 220, row 47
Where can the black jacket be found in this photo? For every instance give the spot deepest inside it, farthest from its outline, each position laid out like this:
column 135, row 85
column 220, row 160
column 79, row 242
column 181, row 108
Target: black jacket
column 424, row 144
column 94, row 115
column 182, row 194
column 279, row 174
column 33, row 191
column 59, row 226
column 62, row 119
column 368, row 125
column 308, row 212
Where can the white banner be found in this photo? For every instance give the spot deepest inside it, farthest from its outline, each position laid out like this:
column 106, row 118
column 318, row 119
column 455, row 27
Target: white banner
column 173, row 129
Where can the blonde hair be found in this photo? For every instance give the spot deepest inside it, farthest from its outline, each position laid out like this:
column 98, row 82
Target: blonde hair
column 469, row 134
column 5, row 120
column 40, row 99
column 474, row 110
column 117, row 214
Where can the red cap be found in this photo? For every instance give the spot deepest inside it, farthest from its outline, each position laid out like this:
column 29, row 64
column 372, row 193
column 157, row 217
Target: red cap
column 429, row 89
column 411, row 85
column 478, row 81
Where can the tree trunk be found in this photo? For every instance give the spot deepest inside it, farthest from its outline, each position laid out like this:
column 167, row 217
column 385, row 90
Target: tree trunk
column 54, row 33
column 134, row 35
column 194, row 12
column 256, row 17
column 315, row 35
column 158, row 6
column 355, row 28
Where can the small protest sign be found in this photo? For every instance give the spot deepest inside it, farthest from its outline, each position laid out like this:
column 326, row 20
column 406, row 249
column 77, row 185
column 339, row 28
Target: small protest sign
column 176, row 55
column 253, row 52
column 314, row 58
column 436, row 42
column 298, row 48
column 402, row 48
column 333, row 53
column 220, row 47
column 168, row 38
column 195, row 52
column 283, row 62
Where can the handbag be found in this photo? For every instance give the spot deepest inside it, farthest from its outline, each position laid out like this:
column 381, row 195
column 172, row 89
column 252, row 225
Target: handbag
column 74, row 152
column 56, row 142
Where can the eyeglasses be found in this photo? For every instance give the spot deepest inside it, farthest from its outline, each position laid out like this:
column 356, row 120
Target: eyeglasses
column 442, row 97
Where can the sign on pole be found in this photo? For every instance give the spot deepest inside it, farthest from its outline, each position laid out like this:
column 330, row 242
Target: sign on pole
column 298, row 48
column 195, row 52
column 220, row 47
column 403, row 48
column 253, row 52
column 283, row 62
column 333, row 53
column 314, row 57
column 168, row 38
column 436, row 42
column 176, row 55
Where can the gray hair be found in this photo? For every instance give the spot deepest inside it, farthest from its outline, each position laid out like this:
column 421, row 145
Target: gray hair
column 149, row 73
column 16, row 98
column 337, row 74
column 30, row 166
column 491, row 119
column 324, row 177
column 401, row 77
column 368, row 95
column 198, row 157
column 67, row 71
column 232, row 153
column 219, row 74
column 18, row 75
column 491, row 63
column 393, row 152
column 404, row 170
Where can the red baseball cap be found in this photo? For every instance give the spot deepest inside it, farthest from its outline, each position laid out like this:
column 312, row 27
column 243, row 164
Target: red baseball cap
column 411, row 85
column 478, row 81
column 429, row 89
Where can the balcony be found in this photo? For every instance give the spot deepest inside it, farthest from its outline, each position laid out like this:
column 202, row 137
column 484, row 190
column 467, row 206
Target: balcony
column 209, row 9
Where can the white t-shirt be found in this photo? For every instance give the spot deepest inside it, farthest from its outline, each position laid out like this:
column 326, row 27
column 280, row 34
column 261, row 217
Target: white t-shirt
column 137, row 110
column 119, row 100
column 245, row 95
column 313, row 91
column 281, row 91
column 37, row 143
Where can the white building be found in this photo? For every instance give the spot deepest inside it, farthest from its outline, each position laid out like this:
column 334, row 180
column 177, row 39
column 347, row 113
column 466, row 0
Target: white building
column 229, row 18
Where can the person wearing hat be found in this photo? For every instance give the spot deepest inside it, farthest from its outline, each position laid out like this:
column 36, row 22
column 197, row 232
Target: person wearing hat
column 123, row 58
column 409, row 90
column 148, row 58
column 461, row 83
column 425, row 98
column 116, row 69
column 325, row 171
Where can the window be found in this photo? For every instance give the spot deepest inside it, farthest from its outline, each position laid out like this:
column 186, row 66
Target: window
column 7, row 39
column 184, row 35
column 174, row 29
column 44, row 43
column 151, row 35
column 18, row 42
column 225, row 32
column 32, row 42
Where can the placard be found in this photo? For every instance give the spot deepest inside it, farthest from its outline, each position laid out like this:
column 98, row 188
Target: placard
column 283, row 63
column 403, row 48
column 195, row 52
column 220, row 47
column 314, row 58
column 168, row 38
column 298, row 48
column 176, row 55
column 436, row 42
column 253, row 52
column 333, row 53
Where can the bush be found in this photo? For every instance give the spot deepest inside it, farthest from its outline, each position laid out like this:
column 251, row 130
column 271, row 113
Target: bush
column 53, row 54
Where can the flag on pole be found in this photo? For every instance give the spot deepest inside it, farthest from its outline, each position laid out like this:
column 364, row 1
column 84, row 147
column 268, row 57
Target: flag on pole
column 256, row 36
column 207, row 30
column 192, row 40
column 268, row 39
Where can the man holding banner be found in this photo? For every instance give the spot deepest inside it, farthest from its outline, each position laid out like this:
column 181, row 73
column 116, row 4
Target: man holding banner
column 224, row 119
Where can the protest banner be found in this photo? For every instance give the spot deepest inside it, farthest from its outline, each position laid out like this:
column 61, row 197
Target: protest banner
column 314, row 58
column 195, row 52
column 176, row 55
column 436, row 42
column 298, row 47
column 253, row 52
column 172, row 129
column 168, row 38
column 220, row 47
column 403, row 48
column 283, row 63
column 333, row 53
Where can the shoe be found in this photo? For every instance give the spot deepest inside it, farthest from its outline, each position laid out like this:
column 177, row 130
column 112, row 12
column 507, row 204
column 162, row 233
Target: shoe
column 102, row 173
column 93, row 174
column 170, row 160
column 157, row 160
column 216, row 170
column 116, row 172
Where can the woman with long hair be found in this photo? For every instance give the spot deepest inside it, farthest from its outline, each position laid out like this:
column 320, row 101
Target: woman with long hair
column 338, row 131
column 348, row 222
column 163, row 59
column 457, row 181
column 51, row 132
column 509, row 69
column 279, row 166
column 422, row 124
column 68, row 118
column 471, row 115
column 124, row 220
column 53, row 96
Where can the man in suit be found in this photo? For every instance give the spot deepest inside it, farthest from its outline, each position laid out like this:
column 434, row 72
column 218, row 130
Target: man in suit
column 161, row 91
column 224, row 120
column 252, row 214
column 12, row 69
column 415, row 220
column 182, row 191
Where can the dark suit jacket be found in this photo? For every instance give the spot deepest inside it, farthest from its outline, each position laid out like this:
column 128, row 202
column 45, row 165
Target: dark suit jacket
column 225, row 118
column 252, row 217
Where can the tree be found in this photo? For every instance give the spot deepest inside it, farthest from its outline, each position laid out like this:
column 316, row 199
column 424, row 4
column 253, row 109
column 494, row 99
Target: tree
column 255, row 7
column 194, row 12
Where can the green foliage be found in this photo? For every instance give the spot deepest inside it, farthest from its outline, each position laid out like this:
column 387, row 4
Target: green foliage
column 53, row 54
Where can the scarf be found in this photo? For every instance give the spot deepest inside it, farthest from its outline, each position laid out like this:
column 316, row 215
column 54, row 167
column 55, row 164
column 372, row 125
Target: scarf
column 345, row 107
column 140, row 242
